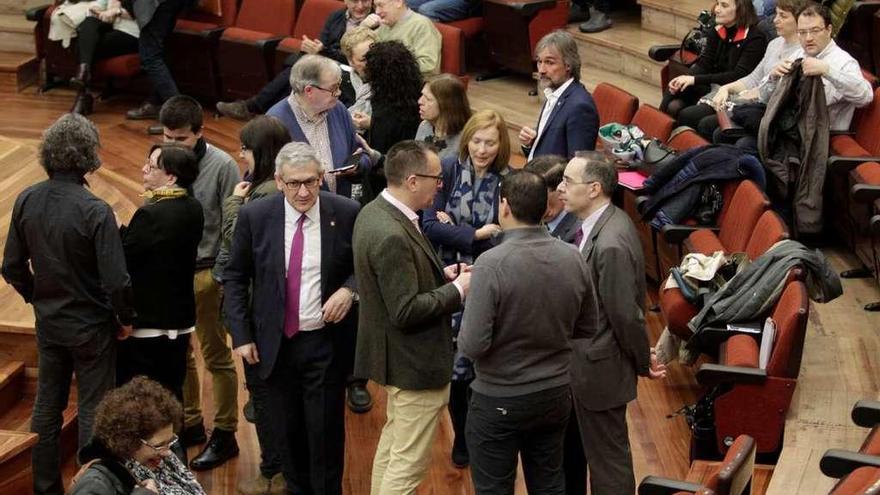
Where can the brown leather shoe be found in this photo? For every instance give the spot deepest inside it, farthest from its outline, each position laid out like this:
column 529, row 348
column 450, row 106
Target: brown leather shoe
column 258, row 485
column 146, row 111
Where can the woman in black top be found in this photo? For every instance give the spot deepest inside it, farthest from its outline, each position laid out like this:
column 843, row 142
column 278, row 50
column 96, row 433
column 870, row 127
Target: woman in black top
column 160, row 246
column 396, row 84
column 732, row 51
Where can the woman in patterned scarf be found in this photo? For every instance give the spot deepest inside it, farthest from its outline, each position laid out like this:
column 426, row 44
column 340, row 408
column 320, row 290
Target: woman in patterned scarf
column 131, row 451
column 463, row 224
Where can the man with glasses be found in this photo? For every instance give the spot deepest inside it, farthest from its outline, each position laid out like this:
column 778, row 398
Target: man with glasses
column 289, row 295
column 313, row 114
column 405, row 333
column 845, row 87
column 608, row 359
column 181, row 119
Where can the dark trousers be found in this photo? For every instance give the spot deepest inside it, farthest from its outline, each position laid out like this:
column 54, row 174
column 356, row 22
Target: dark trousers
column 159, row 358
column 459, row 396
column 270, row 447
column 574, row 463
column 693, row 115
column 98, row 40
column 94, row 363
column 673, row 104
column 600, row 5
column 533, row 426
column 606, row 444
column 306, row 402
column 151, row 47
column 272, row 93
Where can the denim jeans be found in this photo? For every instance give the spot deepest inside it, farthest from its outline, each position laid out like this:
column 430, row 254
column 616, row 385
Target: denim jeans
column 442, row 10
column 151, row 47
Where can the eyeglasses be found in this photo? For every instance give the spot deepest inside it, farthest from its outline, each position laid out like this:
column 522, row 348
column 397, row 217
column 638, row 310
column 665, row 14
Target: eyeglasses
column 294, row 185
column 813, row 32
column 335, row 91
column 438, row 178
column 163, row 447
column 570, row 182
column 244, row 148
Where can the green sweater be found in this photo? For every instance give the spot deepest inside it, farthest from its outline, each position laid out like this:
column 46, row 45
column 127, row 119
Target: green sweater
column 418, row 33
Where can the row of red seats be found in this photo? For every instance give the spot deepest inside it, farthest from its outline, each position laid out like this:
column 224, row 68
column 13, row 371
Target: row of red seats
column 232, row 53
column 858, row 472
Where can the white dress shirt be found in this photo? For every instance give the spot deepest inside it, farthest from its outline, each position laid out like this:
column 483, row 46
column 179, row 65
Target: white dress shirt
column 589, row 223
column 552, row 97
column 310, row 315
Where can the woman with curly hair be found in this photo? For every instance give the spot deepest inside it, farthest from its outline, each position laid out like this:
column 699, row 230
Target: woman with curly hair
column 130, row 453
column 396, row 85
column 444, row 110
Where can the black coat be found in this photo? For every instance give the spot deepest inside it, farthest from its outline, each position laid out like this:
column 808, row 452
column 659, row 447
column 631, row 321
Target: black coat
column 160, row 245
column 254, row 280
column 729, row 58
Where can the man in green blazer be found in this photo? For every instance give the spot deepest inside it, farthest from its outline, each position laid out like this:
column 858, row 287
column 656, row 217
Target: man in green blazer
column 407, row 298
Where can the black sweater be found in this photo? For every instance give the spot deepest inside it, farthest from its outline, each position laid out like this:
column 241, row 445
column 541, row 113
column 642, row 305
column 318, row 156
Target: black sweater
column 726, row 59
column 160, row 246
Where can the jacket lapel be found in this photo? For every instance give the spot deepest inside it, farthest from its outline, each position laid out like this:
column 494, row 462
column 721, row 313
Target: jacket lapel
column 328, row 238
column 275, row 226
column 600, row 224
column 554, row 111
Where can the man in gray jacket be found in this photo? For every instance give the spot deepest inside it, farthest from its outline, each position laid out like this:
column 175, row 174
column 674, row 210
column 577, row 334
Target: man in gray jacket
column 614, row 351
column 521, row 399
column 181, row 119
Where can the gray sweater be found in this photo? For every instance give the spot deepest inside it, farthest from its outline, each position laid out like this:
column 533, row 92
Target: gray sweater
column 218, row 175
column 526, row 298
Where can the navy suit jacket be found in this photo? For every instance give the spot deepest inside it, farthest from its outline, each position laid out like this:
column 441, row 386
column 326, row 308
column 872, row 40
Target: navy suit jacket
column 255, row 282
column 573, row 124
column 567, row 228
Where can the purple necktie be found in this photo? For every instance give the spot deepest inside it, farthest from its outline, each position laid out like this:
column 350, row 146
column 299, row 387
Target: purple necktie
column 578, row 237
column 294, row 278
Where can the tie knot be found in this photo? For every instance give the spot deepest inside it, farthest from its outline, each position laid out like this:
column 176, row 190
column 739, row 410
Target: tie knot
column 302, row 220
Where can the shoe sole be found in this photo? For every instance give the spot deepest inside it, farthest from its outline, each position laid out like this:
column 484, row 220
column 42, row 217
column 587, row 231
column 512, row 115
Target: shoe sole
column 360, row 409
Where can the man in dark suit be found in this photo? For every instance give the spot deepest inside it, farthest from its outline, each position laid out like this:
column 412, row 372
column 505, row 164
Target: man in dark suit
column 290, row 325
column 407, row 300
column 569, row 121
column 561, row 224
column 609, row 357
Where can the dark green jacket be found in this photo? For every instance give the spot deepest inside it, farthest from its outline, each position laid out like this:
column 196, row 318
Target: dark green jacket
column 404, row 331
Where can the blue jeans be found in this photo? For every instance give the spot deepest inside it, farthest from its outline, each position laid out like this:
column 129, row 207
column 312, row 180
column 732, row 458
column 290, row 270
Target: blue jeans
column 151, row 47
column 442, row 10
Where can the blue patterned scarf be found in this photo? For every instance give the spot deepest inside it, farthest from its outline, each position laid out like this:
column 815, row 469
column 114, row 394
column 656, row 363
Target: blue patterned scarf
column 468, row 206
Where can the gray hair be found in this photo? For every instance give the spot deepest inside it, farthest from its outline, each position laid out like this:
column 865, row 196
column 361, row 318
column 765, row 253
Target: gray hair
column 70, row 145
column 564, row 42
column 307, row 71
column 296, row 154
column 599, row 169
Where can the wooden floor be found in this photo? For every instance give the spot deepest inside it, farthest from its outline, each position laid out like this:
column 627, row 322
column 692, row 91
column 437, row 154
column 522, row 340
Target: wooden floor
column 840, row 362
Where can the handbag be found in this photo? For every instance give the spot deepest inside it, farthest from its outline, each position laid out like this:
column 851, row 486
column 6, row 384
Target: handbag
column 655, row 156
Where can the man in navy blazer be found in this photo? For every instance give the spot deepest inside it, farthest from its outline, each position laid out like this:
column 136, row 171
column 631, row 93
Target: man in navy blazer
column 568, row 121
column 290, row 324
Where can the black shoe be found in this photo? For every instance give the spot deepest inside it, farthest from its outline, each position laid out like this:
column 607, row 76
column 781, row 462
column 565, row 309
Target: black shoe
column 82, row 78
column 144, row 112
column 221, row 447
column 460, row 457
column 599, row 21
column 237, row 110
column 358, row 397
column 250, row 414
column 84, row 103
column 193, row 435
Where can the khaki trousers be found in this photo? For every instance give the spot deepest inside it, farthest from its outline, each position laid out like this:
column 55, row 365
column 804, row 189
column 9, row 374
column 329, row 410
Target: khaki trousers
column 404, row 450
column 212, row 337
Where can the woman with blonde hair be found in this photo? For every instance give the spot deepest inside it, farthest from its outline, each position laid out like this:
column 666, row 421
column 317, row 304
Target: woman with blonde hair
column 463, row 223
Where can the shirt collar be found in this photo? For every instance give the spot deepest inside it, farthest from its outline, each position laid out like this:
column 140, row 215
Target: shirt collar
column 552, row 224
column 590, row 221
column 525, row 233
column 301, row 114
column 312, row 214
column 548, row 93
column 827, row 50
column 741, row 33
column 406, row 210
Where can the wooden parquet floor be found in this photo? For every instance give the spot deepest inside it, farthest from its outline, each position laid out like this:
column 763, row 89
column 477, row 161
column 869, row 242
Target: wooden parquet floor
column 840, row 362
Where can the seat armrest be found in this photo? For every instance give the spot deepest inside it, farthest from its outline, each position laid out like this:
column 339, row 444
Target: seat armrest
column 655, row 485
column 840, row 164
column 875, row 225
column 661, row 53
column 838, row 463
column 640, row 201
column 865, row 193
column 35, row 14
column 866, row 413
column 711, row 374
column 676, row 234
column 269, row 44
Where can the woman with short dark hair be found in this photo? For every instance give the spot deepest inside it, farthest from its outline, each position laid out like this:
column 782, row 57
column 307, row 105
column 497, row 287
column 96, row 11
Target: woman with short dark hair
column 734, row 48
column 130, row 452
column 444, row 109
column 160, row 244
